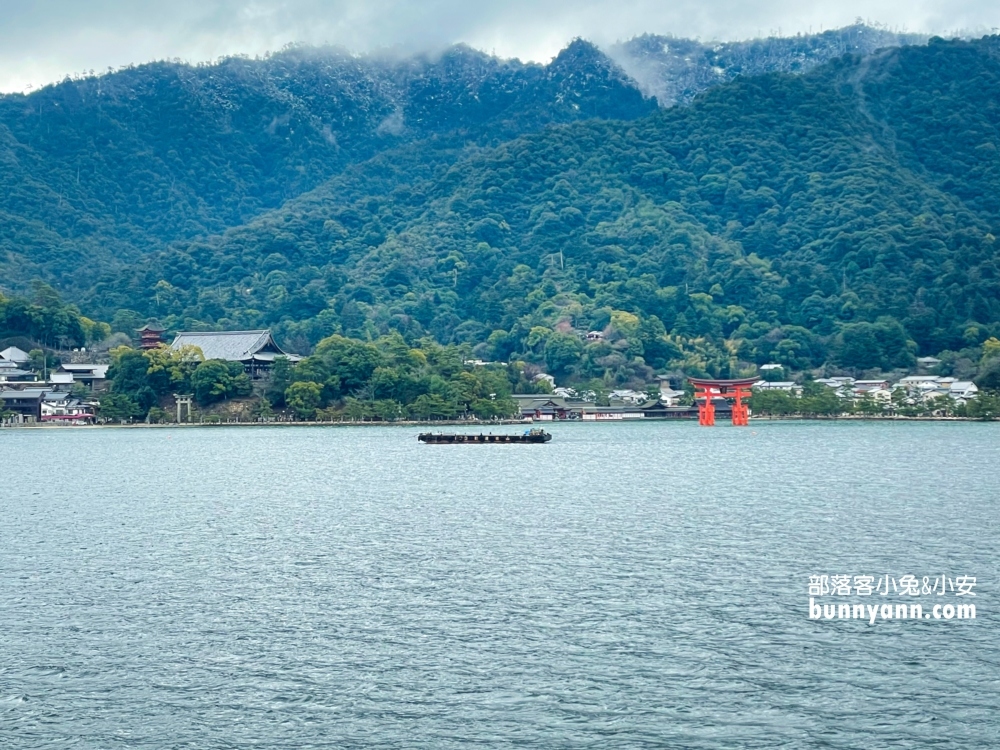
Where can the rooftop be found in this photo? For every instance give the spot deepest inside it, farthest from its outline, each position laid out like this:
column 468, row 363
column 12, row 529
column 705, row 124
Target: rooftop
column 27, row 393
column 99, row 371
column 13, row 354
column 233, row 346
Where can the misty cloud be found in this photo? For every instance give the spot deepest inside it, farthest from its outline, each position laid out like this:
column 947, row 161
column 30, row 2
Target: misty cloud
column 44, row 40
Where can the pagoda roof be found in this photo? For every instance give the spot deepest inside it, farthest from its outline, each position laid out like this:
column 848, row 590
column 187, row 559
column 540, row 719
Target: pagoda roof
column 151, row 328
column 232, row 346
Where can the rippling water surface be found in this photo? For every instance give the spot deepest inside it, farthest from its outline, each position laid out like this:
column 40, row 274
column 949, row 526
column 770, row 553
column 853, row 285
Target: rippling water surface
column 626, row 585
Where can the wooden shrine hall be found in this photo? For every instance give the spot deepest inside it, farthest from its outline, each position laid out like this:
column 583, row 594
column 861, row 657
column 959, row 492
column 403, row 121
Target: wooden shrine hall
column 707, row 389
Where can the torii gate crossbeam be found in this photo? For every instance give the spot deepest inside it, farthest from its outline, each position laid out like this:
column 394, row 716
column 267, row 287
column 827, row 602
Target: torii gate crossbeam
column 707, row 389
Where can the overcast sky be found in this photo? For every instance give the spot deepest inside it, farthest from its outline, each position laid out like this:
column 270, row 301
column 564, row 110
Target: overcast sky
column 43, row 40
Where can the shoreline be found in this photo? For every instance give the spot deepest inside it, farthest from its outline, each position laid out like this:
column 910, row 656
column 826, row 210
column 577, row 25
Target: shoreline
column 474, row 424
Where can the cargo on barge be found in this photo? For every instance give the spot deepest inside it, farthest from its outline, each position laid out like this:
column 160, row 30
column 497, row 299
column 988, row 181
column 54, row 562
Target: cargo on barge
column 529, row 436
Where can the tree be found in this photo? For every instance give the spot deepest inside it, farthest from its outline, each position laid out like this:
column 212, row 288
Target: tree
column 494, row 408
column 858, row 347
column 774, row 374
column 303, row 398
column 356, row 409
column 129, row 370
column 991, row 350
column 169, row 370
column 129, row 375
column 351, row 361
column 562, row 351
column 116, row 407
column 869, row 406
column 989, row 378
column 281, row 376
column 432, row 406
column 773, row 403
column 157, row 415
column 214, row 380
column 985, row 406
column 387, row 409
column 820, row 400
column 262, row 409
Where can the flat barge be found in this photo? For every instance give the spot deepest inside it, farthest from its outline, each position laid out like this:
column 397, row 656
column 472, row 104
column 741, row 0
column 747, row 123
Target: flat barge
column 529, row 436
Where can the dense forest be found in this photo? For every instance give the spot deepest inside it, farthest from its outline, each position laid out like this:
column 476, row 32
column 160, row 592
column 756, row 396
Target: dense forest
column 99, row 171
column 386, row 379
column 844, row 218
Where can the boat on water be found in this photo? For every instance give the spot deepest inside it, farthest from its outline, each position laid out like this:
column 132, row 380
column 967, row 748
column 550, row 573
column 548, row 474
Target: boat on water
column 528, row 436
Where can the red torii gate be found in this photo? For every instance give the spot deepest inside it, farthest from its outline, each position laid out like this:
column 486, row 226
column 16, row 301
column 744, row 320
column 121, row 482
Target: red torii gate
column 707, row 389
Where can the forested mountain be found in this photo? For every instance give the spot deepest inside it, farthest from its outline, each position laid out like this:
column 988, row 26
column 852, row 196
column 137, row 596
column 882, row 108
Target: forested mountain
column 844, row 216
column 99, row 171
column 847, row 215
column 675, row 70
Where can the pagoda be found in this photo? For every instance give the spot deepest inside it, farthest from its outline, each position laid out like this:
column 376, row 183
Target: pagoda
column 150, row 336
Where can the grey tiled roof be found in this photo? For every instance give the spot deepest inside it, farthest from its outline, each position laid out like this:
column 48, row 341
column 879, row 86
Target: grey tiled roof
column 27, row 393
column 233, row 346
column 98, row 371
column 13, row 354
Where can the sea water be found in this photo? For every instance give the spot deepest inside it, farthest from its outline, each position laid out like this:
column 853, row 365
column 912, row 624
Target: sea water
column 626, row 585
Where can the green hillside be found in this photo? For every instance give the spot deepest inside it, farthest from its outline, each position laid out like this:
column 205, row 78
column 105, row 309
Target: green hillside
column 846, row 216
column 98, row 172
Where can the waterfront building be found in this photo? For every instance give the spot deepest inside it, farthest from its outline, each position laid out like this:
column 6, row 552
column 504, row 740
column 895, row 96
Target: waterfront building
column 788, row 386
column 94, row 376
column 256, row 350
column 63, row 408
column 26, row 404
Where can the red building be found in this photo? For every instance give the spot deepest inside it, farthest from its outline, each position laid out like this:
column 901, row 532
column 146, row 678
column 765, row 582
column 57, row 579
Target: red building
column 150, row 336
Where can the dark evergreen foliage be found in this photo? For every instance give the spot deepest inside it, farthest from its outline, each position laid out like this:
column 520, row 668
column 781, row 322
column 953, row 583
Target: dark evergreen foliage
column 846, row 216
column 101, row 170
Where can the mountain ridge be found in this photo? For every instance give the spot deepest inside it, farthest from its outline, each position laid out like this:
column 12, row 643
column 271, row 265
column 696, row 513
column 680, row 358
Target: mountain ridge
column 775, row 203
column 167, row 151
column 777, row 217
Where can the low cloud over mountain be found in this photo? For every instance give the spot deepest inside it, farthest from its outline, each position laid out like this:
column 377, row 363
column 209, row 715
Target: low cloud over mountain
column 43, row 41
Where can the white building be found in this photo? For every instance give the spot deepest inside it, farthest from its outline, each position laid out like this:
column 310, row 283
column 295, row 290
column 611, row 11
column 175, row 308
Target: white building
column 789, row 386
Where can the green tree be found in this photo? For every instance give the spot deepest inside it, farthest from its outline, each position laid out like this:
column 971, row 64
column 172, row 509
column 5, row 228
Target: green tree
column 985, row 406
column 432, row 406
column 869, row 406
column 280, row 377
column 820, row 400
column 116, row 407
column 562, row 351
column 303, row 398
column 989, row 377
column 262, row 408
column 773, row 403
column 387, row 409
column 213, row 380
column 351, row 361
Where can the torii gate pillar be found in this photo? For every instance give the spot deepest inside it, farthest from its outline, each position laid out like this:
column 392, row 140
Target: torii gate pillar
column 181, row 402
column 707, row 389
